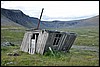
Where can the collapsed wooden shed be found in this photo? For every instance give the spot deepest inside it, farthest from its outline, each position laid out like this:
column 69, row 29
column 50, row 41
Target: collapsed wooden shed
column 39, row 41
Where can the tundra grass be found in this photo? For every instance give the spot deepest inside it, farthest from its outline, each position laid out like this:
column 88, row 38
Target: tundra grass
column 11, row 35
column 13, row 27
column 85, row 36
column 74, row 58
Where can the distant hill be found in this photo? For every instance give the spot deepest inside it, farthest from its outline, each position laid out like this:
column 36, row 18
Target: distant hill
column 93, row 21
column 17, row 17
column 10, row 17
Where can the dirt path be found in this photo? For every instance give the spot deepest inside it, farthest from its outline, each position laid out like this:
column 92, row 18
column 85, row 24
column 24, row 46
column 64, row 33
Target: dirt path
column 91, row 48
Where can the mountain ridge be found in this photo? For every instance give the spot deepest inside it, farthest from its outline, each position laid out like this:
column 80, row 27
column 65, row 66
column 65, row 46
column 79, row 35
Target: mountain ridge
column 17, row 17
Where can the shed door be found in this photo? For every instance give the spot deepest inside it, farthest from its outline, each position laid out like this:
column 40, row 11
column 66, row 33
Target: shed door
column 32, row 44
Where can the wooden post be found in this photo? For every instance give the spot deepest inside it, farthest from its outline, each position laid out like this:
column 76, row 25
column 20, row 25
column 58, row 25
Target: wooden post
column 40, row 19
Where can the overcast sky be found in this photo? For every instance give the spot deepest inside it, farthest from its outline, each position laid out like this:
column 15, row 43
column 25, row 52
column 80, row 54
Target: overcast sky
column 55, row 10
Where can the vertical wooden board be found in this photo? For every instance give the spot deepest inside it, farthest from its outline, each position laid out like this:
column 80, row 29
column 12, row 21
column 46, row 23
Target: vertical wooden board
column 61, row 41
column 33, row 46
column 27, row 43
column 49, row 42
column 71, row 41
column 23, row 42
column 39, row 42
column 66, row 42
column 53, row 38
column 45, row 36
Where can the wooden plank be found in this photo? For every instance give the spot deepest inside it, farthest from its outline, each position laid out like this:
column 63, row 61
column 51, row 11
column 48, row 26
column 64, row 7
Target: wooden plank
column 65, row 43
column 50, row 40
column 54, row 47
column 29, row 43
column 45, row 37
column 26, row 43
column 38, row 43
column 68, row 42
column 23, row 42
column 61, row 41
column 71, row 41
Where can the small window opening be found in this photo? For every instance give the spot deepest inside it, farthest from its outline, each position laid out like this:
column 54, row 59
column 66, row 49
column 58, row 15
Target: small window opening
column 57, row 41
column 54, row 43
column 57, row 38
column 33, row 37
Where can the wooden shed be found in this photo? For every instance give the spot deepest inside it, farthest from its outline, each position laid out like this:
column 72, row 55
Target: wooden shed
column 39, row 41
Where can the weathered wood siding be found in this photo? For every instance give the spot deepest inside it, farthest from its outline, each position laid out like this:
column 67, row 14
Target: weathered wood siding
column 69, row 40
column 41, row 42
column 50, row 40
column 64, row 44
column 60, row 41
column 26, row 42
